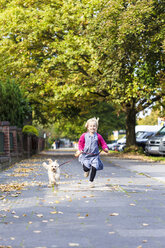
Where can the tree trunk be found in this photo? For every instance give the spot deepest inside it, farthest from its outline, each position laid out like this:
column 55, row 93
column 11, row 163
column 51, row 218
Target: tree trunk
column 130, row 125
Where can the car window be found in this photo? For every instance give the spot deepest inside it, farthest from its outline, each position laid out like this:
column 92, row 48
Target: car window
column 139, row 134
column 161, row 132
column 147, row 135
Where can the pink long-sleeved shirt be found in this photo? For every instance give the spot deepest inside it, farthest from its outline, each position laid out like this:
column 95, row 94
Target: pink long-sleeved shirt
column 101, row 142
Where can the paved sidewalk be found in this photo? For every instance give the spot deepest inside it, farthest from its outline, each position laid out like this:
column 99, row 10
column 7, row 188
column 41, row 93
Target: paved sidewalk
column 126, row 209
column 154, row 170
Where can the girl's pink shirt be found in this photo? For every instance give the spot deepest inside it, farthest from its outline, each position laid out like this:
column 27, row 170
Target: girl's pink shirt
column 101, row 142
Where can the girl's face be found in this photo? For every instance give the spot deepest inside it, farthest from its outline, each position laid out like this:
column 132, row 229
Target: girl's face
column 92, row 128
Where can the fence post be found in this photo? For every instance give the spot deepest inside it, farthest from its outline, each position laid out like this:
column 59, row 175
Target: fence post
column 13, row 130
column 39, row 145
column 20, row 142
column 5, row 130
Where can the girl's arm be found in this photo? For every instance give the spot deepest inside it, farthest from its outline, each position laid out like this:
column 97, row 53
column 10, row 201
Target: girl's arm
column 102, row 143
column 81, row 145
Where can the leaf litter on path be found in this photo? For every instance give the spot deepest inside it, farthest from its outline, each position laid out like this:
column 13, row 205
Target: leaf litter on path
column 12, row 186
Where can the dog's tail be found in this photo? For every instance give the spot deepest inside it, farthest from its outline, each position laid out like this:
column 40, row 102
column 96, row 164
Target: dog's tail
column 45, row 165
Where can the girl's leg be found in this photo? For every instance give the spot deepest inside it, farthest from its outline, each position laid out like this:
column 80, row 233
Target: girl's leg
column 93, row 174
column 85, row 168
column 86, row 171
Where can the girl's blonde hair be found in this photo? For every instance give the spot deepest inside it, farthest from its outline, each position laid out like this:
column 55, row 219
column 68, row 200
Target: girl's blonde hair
column 94, row 119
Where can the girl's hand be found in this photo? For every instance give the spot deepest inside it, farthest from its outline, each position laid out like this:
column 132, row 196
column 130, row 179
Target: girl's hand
column 77, row 154
column 106, row 150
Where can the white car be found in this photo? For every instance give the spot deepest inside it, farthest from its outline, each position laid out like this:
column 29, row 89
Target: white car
column 154, row 145
column 112, row 146
column 162, row 146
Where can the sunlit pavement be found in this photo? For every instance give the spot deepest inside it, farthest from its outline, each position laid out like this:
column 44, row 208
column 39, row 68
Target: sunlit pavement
column 126, row 208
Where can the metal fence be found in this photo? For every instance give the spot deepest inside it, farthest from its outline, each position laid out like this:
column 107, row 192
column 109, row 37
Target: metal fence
column 14, row 143
column 1, row 142
column 11, row 142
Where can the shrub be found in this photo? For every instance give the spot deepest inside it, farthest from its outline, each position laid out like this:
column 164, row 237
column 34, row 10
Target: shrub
column 134, row 149
column 14, row 106
column 28, row 129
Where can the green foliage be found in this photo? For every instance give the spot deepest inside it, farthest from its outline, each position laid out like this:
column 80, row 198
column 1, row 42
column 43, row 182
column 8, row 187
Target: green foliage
column 156, row 159
column 68, row 54
column 108, row 122
column 128, row 38
column 14, row 107
column 28, row 129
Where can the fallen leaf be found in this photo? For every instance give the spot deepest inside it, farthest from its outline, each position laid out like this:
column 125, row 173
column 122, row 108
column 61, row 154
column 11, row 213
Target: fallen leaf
column 36, row 231
column 145, row 241
column 145, row 224
column 51, row 220
column 56, row 212
column 40, row 215
column 53, row 212
column 2, row 215
column 114, row 214
column 14, row 195
column 74, row 244
column 16, row 216
column 12, row 238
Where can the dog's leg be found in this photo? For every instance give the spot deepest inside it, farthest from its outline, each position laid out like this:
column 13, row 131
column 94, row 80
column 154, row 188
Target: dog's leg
column 57, row 174
column 51, row 179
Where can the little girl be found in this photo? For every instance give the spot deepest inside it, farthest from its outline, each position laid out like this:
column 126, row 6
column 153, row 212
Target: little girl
column 88, row 149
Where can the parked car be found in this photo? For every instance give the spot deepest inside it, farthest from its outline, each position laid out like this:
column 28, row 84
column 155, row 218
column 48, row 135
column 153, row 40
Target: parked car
column 143, row 133
column 121, row 144
column 112, row 146
column 154, row 144
column 142, row 137
column 162, row 146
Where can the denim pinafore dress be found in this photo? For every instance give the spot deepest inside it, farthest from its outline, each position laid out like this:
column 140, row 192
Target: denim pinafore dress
column 91, row 157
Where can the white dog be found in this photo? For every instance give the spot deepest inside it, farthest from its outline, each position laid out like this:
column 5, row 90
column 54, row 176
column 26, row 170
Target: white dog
column 53, row 171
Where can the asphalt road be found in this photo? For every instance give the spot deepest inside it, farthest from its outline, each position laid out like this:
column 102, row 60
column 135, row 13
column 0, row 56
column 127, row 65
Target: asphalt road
column 126, row 209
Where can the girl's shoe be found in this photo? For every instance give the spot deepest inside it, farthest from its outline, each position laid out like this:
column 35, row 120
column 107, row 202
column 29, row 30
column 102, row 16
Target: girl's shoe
column 86, row 173
column 91, row 184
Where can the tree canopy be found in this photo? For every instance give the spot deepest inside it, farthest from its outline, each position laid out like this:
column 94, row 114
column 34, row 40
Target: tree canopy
column 14, row 107
column 67, row 54
column 130, row 56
